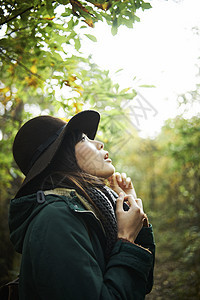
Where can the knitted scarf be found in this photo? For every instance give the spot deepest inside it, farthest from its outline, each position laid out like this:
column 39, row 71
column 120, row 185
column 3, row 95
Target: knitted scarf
column 105, row 201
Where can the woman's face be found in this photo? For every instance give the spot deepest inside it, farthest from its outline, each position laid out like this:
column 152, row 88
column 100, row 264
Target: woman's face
column 92, row 158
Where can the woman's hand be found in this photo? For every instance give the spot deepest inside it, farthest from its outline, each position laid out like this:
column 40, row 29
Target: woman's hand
column 129, row 222
column 121, row 183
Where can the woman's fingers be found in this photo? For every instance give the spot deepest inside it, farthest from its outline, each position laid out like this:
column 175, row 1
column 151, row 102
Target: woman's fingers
column 128, row 182
column 145, row 221
column 130, row 200
column 129, row 222
column 119, row 202
column 122, row 179
column 135, row 203
column 139, row 203
column 110, row 179
column 118, row 177
column 114, row 184
column 122, row 183
column 123, row 175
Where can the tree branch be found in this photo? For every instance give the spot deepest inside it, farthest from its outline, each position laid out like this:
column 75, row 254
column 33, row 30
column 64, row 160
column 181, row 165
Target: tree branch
column 16, row 30
column 21, row 65
column 19, row 14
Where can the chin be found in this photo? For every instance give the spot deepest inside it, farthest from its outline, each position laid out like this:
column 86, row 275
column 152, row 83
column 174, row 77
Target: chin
column 103, row 172
column 109, row 172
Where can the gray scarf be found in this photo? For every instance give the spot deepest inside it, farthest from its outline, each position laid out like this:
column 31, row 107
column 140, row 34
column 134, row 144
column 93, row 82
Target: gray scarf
column 105, row 200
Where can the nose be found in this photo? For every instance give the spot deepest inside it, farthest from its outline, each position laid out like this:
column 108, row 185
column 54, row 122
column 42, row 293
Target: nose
column 100, row 145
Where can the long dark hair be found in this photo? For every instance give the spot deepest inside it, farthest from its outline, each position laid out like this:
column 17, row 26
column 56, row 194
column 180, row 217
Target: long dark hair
column 64, row 171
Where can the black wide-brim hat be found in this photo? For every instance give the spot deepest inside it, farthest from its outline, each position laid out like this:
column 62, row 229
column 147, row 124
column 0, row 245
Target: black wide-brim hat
column 38, row 140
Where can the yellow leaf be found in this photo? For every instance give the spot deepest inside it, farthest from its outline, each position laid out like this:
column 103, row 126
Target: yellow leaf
column 5, row 90
column 80, row 93
column 126, row 90
column 72, row 78
column 33, row 69
column 18, row 100
column 65, row 120
column 49, row 19
column 99, row 5
column 89, row 22
column 105, row 5
column 11, row 69
column 79, row 89
column 31, row 80
column 5, row 100
column 78, row 107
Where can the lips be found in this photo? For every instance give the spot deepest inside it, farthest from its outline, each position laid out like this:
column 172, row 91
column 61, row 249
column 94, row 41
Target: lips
column 106, row 157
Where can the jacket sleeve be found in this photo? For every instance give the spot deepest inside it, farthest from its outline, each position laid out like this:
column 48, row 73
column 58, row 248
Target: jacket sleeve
column 65, row 265
column 145, row 239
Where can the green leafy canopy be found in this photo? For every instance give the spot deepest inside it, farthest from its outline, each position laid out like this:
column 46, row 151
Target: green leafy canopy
column 42, row 67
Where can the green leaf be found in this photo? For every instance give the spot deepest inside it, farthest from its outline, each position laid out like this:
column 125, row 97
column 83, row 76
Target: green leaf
column 70, row 24
column 77, row 44
column 147, row 86
column 128, row 23
column 65, row 14
column 64, row 2
column 50, row 8
column 91, row 37
column 137, row 19
column 36, row 2
column 114, row 30
column 118, row 71
column 146, row 5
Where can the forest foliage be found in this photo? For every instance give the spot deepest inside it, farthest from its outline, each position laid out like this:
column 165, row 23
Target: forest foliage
column 42, row 68
column 44, row 72
column 166, row 174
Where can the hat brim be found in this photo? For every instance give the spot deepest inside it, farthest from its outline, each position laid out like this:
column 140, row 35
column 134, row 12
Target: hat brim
column 86, row 121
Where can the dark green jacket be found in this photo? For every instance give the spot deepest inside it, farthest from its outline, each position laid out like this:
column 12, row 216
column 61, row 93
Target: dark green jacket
column 62, row 245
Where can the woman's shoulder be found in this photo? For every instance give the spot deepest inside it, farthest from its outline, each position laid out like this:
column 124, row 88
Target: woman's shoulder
column 56, row 210
column 64, row 213
column 71, row 197
column 44, row 205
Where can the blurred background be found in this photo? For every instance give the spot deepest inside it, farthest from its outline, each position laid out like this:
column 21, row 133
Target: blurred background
column 137, row 63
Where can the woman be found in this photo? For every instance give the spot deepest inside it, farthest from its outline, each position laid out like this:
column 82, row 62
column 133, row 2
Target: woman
column 79, row 238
